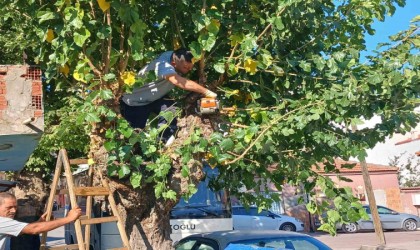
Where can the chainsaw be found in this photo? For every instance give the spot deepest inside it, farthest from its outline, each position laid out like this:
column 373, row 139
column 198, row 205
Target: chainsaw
column 206, row 106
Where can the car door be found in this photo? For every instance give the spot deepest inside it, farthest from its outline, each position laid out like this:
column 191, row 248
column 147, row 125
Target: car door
column 263, row 220
column 366, row 224
column 389, row 218
column 242, row 218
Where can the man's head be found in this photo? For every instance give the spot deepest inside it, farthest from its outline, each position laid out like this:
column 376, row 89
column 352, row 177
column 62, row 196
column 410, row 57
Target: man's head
column 8, row 205
column 182, row 60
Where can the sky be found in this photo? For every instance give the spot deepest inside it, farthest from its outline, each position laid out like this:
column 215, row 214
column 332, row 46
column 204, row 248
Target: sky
column 383, row 152
column 392, row 25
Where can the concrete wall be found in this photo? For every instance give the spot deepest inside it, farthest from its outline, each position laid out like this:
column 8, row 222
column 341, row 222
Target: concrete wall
column 410, row 198
column 21, row 114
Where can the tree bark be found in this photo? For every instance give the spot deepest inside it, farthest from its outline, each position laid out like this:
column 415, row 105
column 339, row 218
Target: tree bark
column 147, row 218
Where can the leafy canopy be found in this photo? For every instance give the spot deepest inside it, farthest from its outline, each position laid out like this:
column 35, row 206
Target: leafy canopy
column 289, row 69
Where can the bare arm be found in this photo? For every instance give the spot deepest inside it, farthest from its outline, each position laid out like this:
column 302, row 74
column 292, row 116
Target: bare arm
column 186, row 84
column 45, row 226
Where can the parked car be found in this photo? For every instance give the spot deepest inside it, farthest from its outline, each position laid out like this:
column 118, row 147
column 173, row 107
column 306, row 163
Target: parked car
column 390, row 220
column 244, row 218
column 250, row 239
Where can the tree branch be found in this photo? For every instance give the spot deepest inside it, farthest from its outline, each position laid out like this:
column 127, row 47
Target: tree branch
column 271, row 124
column 109, row 46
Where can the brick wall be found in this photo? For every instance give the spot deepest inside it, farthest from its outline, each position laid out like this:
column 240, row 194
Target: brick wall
column 20, row 99
column 393, row 199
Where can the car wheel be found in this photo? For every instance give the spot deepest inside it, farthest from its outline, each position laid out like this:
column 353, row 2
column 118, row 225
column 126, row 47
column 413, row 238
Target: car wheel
column 288, row 227
column 410, row 225
column 350, row 228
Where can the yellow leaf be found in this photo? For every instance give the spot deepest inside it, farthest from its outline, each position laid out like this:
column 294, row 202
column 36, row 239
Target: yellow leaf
column 91, row 161
column 104, row 5
column 216, row 22
column 128, row 78
column 50, row 35
column 78, row 77
column 176, row 43
column 65, row 70
column 248, row 98
column 250, row 66
column 213, row 7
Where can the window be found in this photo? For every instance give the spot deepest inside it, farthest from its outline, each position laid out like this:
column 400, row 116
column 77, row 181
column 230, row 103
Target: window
column 292, row 243
column 196, row 244
column 384, row 210
column 186, row 245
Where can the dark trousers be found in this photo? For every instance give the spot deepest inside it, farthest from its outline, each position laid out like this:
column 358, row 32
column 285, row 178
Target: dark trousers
column 137, row 115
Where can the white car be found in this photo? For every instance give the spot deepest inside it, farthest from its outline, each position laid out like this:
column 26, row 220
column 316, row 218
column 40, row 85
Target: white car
column 250, row 219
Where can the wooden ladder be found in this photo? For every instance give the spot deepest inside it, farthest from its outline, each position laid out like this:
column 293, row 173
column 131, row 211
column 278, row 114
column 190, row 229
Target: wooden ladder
column 86, row 220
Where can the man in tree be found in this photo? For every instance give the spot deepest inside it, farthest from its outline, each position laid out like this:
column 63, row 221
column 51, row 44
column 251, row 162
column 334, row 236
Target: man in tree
column 152, row 97
column 10, row 227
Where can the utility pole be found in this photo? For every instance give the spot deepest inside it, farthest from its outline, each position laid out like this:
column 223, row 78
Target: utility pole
column 372, row 203
column 371, row 198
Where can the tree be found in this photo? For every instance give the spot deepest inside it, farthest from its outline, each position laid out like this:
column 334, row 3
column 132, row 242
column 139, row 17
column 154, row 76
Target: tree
column 408, row 175
column 289, row 69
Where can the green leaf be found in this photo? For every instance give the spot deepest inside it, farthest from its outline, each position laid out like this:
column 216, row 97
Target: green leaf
column 219, row 67
column 278, row 23
column 109, row 77
column 90, row 117
column 185, row 171
column 81, row 37
column 170, row 194
column 207, row 41
column 333, row 215
column 46, row 16
column 135, row 179
column 123, row 171
column 227, row 144
column 110, row 145
column 106, row 94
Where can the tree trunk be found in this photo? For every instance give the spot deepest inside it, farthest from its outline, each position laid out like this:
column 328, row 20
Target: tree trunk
column 146, row 218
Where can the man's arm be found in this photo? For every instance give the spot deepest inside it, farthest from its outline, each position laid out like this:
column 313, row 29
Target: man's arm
column 189, row 85
column 45, row 226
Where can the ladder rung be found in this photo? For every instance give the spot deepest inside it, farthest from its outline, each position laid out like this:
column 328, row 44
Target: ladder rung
column 63, row 247
column 86, row 191
column 62, row 191
column 91, row 221
column 78, row 161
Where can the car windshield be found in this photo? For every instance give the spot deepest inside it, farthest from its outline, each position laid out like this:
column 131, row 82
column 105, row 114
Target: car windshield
column 290, row 243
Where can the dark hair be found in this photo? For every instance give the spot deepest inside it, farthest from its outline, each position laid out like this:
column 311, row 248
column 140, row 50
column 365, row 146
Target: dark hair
column 183, row 54
column 4, row 196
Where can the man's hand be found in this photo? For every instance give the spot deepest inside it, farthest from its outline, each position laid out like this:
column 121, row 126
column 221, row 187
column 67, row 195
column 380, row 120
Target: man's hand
column 210, row 94
column 75, row 213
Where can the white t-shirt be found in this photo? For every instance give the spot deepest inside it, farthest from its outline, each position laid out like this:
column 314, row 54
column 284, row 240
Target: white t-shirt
column 9, row 227
column 154, row 90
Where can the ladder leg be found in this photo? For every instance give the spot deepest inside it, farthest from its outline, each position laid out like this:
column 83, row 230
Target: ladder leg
column 73, row 200
column 121, row 227
column 88, row 208
column 58, row 168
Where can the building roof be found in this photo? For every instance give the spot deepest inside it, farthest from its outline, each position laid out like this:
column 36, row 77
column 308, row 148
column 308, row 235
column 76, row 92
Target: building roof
column 345, row 167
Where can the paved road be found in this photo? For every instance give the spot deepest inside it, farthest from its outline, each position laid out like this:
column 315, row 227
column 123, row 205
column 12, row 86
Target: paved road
column 56, row 237
column 397, row 240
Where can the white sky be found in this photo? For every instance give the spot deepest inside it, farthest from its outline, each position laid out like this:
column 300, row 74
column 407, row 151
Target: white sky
column 382, row 153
